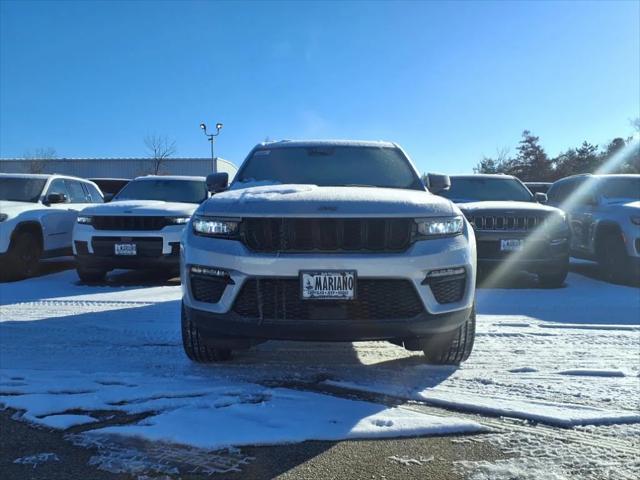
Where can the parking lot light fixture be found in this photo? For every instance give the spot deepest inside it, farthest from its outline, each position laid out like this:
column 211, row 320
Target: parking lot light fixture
column 211, row 137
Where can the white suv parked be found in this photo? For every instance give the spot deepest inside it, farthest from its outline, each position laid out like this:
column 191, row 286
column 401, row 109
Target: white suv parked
column 139, row 229
column 328, row 241
column 37, row 215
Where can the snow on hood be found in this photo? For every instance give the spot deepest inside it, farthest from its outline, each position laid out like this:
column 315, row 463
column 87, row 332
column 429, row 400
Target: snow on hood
column 506, row 205
column 315, row 201
column 142, row 207
column 625, row 202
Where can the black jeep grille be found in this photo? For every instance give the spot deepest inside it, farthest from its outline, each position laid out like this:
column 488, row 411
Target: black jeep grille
column 327, row 234
column 128, row 223
column 278, row 299
column 509, row 223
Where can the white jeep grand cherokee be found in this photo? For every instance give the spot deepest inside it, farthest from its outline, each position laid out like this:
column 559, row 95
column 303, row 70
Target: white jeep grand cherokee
column 139, row 229
column 328, row 241
column 37, row 214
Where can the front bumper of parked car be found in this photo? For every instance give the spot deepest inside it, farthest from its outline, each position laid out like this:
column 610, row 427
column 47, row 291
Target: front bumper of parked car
column 257, row 295
column 156, row 249
column 538, row 255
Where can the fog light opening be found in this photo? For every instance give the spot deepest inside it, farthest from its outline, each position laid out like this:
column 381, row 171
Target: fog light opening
column 444, row 272
column 209, row 272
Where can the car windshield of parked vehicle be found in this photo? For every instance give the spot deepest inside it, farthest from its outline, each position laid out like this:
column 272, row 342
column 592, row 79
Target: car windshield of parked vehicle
column 336, row 166
column 621, row 187
column 483, row 189
column 19, row 189
column 184, row 191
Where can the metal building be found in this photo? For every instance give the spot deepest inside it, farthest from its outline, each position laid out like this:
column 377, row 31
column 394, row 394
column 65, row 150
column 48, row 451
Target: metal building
column 115, row 167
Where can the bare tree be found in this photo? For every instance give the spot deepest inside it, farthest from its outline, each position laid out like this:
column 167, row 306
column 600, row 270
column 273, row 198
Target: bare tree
column 38, row 158
column 160, row 148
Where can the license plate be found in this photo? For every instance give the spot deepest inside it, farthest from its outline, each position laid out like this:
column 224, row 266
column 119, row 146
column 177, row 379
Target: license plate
column 511, row 245
column 333, row 285
column 125, row 249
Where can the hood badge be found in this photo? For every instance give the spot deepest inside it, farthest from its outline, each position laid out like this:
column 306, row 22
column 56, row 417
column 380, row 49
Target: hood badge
column 327, row 208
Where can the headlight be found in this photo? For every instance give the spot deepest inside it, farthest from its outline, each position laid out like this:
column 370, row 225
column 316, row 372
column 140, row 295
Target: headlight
column 3, row 217
column 635, row 219
column 216, row 227
column 433, row 227
column 178, row 220
column 84, row 220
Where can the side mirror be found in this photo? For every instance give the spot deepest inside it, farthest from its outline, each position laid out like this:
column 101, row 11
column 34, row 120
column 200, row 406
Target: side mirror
column 437, row 183
column 541, row 197
column 55, row 198
column 217, row 182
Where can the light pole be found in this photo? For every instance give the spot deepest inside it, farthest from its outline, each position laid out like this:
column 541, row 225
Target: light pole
column 210, row 136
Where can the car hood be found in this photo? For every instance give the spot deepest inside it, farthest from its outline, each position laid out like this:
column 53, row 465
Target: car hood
column 13, row 209
column 315, row 201
column 142, row 207
column 622, row 202
column 506, row 206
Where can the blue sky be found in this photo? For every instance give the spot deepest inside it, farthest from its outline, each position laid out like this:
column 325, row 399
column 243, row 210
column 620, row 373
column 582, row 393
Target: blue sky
column 450, row 82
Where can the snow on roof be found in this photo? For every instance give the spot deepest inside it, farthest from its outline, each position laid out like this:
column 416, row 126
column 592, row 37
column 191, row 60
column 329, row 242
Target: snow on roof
column 483, row 175
column 326, row 143
column 170, row 177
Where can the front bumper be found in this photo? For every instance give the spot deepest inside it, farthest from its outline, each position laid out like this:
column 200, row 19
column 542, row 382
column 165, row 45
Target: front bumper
column 230, row 327
column 539, row 255
column 241, row 265
column 156, row 248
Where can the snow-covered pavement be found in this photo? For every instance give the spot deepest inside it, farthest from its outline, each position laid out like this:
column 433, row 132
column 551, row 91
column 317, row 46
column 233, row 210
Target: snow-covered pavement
column 568, row 358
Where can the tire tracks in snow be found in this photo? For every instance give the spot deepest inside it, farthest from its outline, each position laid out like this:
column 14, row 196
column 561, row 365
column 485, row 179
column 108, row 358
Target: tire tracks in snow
column 496, row 424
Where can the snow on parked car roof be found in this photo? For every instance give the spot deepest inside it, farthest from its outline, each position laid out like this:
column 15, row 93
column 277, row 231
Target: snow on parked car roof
column 327, row 143
column 43, row 176
column 169, row 177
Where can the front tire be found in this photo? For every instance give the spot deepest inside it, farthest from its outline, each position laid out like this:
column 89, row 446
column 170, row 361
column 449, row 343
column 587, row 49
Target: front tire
column 452, row 348
column 23, row 256
column 195, row 346
column 612, row 258
column 90, row 275
column 553, row 280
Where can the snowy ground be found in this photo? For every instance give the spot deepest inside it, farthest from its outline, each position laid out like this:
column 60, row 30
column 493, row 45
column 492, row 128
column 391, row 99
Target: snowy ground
column 563, row 365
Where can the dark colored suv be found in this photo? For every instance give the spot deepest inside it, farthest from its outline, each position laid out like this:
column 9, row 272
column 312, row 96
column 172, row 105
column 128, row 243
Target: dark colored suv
column 513, row 230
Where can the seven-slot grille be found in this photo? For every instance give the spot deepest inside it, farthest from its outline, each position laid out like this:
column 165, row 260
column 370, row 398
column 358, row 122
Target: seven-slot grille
column 514, row 223
column 327, row 234
column 278, row 299
column 104, row 222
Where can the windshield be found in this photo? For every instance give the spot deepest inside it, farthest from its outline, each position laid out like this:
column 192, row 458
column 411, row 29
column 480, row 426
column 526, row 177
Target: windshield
column 19, row 189
column 622, row 187
column 486, row 189
column 330, row 166
column 185, row 191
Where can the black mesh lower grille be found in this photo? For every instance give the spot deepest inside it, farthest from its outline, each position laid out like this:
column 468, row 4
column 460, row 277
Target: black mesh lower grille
column 490, row 249
column 145, row 246
column 207, row 289
column 448, row 289
column 279, row 299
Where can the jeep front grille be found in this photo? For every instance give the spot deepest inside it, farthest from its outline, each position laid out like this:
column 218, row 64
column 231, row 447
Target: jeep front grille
column 327, row 234
column 509, row 223
column 128, row 223
column 278, row 299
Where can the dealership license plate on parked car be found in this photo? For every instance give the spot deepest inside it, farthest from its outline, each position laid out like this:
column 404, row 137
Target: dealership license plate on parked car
column 125, row 249
column 328, row 285
column 511, row 245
